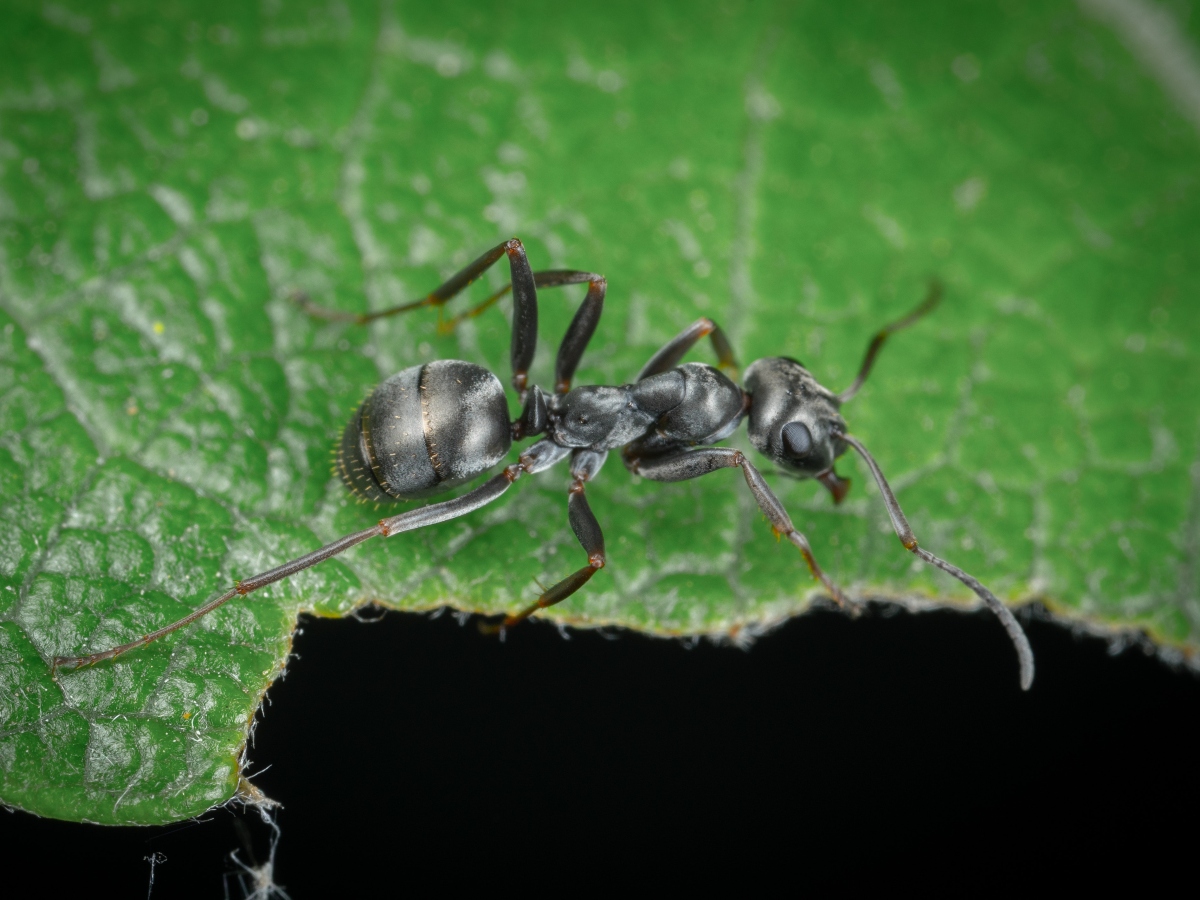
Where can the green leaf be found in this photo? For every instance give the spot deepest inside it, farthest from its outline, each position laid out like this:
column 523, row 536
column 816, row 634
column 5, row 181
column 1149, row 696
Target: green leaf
column 169, row 174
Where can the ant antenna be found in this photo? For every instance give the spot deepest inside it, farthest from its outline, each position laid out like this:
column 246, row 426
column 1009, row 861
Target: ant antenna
column 932, row 299
column 909, row 540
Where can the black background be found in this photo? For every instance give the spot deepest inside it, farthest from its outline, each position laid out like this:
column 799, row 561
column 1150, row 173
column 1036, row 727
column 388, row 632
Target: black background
column 415, row 748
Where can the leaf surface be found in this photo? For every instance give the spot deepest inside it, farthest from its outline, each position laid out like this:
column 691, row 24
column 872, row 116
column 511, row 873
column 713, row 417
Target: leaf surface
column 169, row 175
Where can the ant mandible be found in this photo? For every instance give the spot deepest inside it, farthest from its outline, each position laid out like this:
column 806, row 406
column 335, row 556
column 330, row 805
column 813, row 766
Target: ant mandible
column 441, row 424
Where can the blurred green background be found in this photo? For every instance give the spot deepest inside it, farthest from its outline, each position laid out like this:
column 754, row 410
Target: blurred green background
column 171, row 172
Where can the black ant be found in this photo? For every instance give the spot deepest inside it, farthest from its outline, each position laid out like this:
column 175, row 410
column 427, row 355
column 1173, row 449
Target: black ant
column 434, row 426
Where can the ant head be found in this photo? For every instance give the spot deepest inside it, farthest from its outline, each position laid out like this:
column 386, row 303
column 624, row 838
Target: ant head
column 794, row 421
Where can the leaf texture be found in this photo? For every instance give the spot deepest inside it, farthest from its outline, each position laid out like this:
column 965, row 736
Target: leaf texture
column 171, row 174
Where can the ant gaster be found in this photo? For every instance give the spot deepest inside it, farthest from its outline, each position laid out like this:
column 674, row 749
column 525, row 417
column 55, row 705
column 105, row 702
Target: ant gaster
column 444, row 423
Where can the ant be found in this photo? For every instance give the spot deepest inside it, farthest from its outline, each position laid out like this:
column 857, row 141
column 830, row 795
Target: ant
column 434, row 426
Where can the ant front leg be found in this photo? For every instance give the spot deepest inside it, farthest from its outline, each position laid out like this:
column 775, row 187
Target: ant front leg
column 584, row 466
column 684, row 465
column 673, row 351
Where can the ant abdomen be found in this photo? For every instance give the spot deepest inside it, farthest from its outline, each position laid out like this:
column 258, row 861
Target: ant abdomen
column 424, row 430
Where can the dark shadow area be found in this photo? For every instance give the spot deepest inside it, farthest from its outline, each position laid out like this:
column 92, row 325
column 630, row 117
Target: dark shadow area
column 416, row 747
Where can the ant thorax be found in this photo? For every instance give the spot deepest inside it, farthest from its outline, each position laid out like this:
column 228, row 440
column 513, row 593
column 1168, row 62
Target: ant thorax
column 598, row 417
column 691, row 404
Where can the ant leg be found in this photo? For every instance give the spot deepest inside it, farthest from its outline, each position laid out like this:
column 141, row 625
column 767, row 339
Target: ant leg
column 581, row 329
column 525, row 315
column 932, row 298
column 909, row 540
column 240, row 589
column 437, row 297
column 545, row 278
column 684, row 465
column 672, row 352
column 584, row 466
column 525, row 284
column 524, row 336
column 525, row 304
column 539, row 456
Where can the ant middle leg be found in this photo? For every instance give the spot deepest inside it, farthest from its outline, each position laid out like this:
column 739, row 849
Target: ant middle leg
column 683, row 465
column 673, row 351
column 584, row 466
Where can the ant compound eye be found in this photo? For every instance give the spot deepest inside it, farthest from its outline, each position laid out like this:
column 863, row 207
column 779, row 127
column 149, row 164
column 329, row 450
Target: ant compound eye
column 797, row 439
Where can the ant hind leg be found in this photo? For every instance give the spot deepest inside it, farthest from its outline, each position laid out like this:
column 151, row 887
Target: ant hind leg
column 524, row 334
column 536, row 458
column 437, row 297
